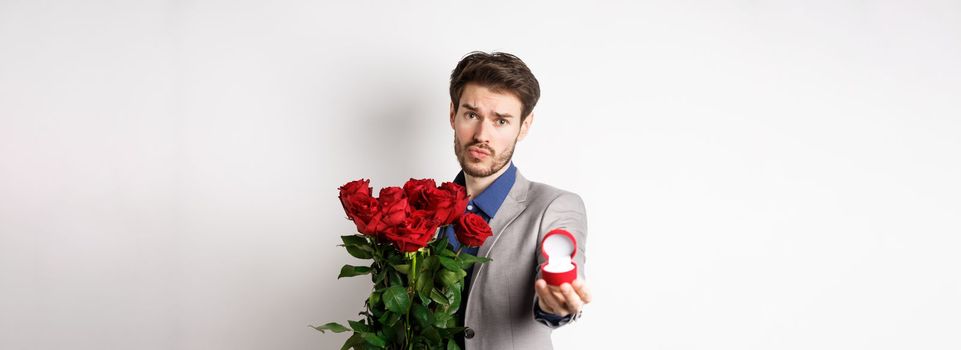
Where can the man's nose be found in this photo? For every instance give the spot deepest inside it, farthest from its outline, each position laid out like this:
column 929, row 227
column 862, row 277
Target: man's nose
column 482, row 133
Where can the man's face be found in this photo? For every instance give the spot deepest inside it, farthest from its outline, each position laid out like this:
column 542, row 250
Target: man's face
column 487, row 126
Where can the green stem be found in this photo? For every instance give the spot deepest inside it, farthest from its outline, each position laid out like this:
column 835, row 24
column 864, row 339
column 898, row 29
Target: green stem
column 413, row 269
column 378, row 265
column 373, row 275
column 412, row 284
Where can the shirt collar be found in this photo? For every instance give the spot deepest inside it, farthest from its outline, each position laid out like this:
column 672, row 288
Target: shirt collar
column 490, row 200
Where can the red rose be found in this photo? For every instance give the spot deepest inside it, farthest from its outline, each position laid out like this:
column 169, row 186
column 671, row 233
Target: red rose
column 360, row 206
column 418, row 230
column 448, row 202
column 393, row 206
column 417, row 192
column 472, row 230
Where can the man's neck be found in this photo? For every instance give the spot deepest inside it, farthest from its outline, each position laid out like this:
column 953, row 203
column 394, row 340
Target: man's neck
column 476, row 185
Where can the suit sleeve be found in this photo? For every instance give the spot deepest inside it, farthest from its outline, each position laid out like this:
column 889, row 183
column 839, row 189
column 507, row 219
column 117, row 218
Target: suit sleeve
column 566, row 212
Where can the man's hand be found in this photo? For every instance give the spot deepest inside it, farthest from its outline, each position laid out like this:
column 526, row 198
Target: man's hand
column 562, row 300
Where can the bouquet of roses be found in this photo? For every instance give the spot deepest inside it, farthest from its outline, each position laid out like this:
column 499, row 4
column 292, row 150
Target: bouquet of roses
column 417, row 278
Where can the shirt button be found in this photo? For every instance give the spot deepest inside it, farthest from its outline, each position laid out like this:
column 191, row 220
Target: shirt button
column 468, row 333
column 470, row 207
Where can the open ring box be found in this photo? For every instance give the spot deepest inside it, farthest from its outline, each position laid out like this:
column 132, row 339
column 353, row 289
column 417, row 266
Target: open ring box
column 558, row 248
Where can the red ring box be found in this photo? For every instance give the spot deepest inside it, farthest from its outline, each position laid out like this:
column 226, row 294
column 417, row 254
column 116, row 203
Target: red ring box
column 558, row 248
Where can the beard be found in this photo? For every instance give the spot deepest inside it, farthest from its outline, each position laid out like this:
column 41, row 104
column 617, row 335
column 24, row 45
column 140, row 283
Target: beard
column 479, row 169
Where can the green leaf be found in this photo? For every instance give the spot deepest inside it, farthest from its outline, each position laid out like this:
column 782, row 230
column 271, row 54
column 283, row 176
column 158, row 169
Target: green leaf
column 392, row 320
column 395, row 334
column 358, row 246
column 333, row 327
column 395, row 259
column 431, row 334
column 394, row 278
column 354, row 341
column 454, row 297
column 446, row 252
column 452, row 345
column 402, row 268
column 438, row 298
column 396, row 299
column 358, row 252
column 424, row 298
column 359, row 326
column 384, row 317
column 449, row 278
column 351, row 271
column 380, row 277
column 424, row 283
column 442, row 320
column 356, row 241
column 430, row 263
column 422, row 315
column 449, row 263
column 441, row 244
column 374, row 299
column 375, row 340
column 466, row 260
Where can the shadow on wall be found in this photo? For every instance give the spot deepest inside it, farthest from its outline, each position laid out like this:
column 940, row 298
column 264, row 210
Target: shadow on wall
column 375, row 128
column 382, row 127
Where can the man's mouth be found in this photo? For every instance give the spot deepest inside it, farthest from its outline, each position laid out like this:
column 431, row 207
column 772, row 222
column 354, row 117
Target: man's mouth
column 478, row 152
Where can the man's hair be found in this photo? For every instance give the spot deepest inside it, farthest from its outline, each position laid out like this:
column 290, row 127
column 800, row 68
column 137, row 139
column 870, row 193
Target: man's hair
column 501, row 72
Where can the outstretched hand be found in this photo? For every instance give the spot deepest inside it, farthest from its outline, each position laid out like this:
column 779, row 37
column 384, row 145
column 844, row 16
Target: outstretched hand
column 562, row 300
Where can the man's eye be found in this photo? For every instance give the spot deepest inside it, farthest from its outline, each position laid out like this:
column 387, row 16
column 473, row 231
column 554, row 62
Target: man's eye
column 471, row 115
column 503, row 122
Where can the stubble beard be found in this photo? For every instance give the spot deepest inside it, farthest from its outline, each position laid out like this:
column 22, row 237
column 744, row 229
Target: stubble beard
column 473, row 169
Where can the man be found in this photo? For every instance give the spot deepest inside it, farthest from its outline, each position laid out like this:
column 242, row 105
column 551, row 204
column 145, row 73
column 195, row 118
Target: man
column 508, row 305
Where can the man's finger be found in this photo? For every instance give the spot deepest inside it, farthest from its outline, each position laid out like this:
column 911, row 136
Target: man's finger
column 541, row 288
column 552, row 306
column 582, row 290
column 572, row 300
column 545, row 296
column 551, row 298
column 554, row 291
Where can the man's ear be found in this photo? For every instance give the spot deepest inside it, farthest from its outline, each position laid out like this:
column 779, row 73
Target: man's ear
column 452, row 111
column 525, row 126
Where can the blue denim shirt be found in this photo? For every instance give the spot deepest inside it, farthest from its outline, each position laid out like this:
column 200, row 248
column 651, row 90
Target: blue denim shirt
column 486, row 204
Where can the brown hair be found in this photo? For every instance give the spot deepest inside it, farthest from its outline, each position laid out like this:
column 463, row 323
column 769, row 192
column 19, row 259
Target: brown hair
column 499, row 72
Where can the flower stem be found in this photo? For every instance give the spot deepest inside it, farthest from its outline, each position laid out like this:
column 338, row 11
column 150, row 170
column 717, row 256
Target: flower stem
column 413, row 269
column 412, row 285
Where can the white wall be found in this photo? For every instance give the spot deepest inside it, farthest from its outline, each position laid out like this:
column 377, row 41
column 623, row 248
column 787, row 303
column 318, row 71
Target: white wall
column 757, row 175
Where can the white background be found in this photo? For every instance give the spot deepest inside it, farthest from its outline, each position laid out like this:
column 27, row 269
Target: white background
column 757, row 175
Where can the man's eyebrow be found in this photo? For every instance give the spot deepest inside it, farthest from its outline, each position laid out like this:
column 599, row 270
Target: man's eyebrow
column 474, row 109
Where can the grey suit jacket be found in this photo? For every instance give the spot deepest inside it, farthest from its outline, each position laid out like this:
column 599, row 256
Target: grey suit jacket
column 500, row 307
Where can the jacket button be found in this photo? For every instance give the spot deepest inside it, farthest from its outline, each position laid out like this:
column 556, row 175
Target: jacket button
column 468, row 333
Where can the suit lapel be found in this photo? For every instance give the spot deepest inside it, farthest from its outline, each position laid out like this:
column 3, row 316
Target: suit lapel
column 514, row 204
